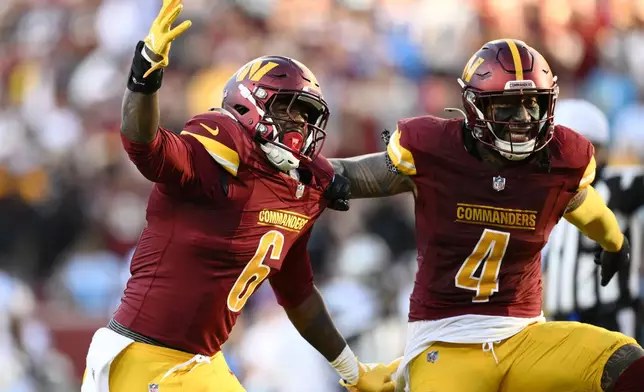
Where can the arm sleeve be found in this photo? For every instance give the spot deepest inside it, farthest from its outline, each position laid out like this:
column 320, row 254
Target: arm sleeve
column 597, row 221
column 589, row 175
column 166, row 159
column 294, row 282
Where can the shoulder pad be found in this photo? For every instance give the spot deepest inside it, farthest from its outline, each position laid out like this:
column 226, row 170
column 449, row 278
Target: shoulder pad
column 569, row 149
column 221, row 136
column 425, row 133
column 322, row 170
column 425, row 123
column 413, row 138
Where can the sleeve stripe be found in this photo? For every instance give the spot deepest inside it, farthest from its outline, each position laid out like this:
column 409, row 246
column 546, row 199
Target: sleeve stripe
column 589, row 174
column 223, row 155
column 400, row 156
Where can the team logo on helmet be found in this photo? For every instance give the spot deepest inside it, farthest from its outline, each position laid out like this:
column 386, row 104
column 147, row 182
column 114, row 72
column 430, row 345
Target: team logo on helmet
column 471, row 67
column 255, row 70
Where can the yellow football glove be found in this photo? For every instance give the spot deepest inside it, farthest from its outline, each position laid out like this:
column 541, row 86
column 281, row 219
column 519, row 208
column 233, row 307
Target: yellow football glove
column 374, row 378
column 162, row 34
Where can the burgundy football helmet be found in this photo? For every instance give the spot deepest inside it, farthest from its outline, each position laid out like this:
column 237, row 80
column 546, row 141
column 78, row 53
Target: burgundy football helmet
column 279, row 102
column 503, row 69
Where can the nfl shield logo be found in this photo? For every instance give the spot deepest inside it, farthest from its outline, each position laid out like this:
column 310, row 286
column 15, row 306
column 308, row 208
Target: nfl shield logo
column 153, row 387
column 300, row 191
column 498, row 183
column 432, row 356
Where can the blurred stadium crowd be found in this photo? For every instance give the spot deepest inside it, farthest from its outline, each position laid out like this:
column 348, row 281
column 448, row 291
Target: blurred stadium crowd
column 72, row 205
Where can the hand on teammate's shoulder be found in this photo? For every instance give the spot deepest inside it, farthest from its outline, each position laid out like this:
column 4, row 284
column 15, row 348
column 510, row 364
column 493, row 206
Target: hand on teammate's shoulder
column 338, row 193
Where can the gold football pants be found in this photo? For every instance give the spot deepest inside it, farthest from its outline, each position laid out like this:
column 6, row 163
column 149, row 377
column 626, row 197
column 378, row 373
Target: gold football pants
column 544, row 357
column 144, row 367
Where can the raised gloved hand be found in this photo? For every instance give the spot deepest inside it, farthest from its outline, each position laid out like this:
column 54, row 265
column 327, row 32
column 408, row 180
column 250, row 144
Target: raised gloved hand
column 161, row 35
column 152, row 54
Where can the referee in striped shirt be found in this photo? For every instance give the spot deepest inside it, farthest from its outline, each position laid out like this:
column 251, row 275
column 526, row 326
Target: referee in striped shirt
column 572, row 290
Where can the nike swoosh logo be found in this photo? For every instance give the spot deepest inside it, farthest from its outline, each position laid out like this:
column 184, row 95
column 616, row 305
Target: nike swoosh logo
column 213, row 132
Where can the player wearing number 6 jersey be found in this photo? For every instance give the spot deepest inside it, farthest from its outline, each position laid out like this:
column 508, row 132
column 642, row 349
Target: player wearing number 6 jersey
column 488, row 191
column 234, row 200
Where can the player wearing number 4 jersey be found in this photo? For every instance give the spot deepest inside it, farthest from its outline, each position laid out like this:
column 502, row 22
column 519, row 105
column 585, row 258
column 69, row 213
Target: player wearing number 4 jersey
column 234, row 200
column 488, row 191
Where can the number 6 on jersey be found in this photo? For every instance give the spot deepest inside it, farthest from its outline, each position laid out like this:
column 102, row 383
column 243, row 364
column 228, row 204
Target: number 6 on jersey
column 255, row 271
column 490, row 251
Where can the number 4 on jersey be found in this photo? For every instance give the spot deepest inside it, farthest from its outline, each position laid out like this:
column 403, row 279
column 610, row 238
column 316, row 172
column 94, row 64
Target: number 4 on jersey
column 490, row 251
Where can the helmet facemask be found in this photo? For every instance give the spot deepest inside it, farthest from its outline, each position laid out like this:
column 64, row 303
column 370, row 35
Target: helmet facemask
column 291, row 123
column 292, row 128
column 515, row 123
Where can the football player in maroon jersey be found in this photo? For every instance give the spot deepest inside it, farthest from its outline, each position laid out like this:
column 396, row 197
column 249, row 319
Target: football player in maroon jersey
column 234, row 199
column 488, row 190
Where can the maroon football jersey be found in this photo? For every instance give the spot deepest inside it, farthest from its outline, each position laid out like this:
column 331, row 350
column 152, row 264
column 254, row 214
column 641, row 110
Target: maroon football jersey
column 220, row 220
column 480, row 230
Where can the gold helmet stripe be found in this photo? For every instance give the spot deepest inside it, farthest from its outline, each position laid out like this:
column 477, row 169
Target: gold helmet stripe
column 516, row 56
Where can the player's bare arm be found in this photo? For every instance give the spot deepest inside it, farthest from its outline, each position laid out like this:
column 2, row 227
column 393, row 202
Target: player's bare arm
column 160, row 155
column 313, row 322
column 371, row 176
column 304, row 306
column 139, row 116
column 617, row 364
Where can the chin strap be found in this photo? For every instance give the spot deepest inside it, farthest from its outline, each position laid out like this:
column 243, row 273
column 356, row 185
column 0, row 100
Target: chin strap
column 522, row 150
column 279, row 157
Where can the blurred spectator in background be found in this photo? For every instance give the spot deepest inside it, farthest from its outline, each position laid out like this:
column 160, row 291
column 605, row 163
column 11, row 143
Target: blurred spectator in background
column 16, row 307
column 72, row 206
column 28, row 363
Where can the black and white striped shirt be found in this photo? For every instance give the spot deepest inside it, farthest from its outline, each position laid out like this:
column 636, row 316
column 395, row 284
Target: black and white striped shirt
column 571, row 276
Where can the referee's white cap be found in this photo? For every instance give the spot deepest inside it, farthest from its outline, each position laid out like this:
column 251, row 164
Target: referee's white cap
column 585, row 118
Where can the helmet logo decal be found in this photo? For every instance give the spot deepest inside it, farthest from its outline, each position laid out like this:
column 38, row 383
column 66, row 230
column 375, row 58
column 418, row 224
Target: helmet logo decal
column 516, row 57
column 255, row 70
column 471, row 67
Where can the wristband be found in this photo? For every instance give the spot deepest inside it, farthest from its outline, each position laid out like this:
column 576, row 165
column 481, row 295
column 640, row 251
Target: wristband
column 141, row 63
column 346, row 364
